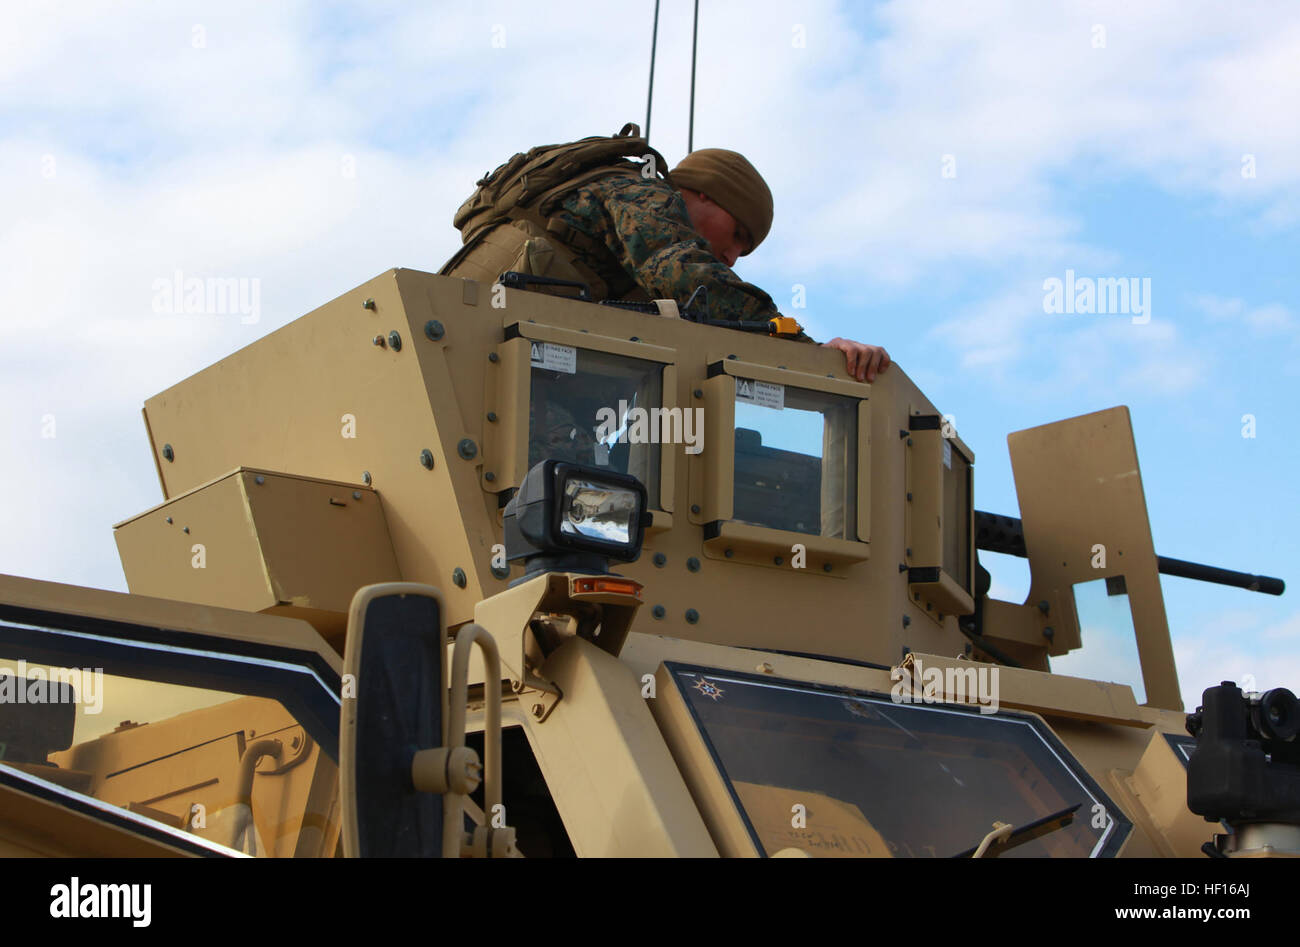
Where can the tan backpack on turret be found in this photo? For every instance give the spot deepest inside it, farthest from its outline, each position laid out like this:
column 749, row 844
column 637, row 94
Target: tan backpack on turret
column 506, row 223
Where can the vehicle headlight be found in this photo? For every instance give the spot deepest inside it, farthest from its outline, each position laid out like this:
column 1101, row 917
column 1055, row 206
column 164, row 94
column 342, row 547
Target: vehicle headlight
column 566, row 510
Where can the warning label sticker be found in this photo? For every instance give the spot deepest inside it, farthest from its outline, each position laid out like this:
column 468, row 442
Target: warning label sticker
column 761, row 393
column 554, row 358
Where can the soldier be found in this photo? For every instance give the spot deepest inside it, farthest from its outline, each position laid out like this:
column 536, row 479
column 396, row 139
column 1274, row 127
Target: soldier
column 632, row 235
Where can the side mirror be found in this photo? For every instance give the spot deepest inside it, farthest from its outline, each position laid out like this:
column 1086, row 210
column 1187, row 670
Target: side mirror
column 394, row 704
column 402, row 737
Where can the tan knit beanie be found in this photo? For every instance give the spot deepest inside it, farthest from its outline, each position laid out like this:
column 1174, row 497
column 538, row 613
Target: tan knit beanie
column 733, row 183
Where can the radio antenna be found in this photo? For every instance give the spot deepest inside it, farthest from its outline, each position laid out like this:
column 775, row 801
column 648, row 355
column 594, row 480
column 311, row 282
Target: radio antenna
column 695, row 32
column 650, row 96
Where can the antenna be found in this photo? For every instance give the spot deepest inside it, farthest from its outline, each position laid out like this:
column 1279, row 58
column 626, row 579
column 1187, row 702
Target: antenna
column 654, row 38
column 695, row 32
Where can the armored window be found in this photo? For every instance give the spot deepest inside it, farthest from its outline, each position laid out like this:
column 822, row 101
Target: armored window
column 786, row 463
column 215, row 747
column 836, row 772
column 587, row 399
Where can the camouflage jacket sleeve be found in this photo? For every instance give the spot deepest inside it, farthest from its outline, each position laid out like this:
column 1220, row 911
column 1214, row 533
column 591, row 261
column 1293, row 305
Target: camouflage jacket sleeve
column 645, row 226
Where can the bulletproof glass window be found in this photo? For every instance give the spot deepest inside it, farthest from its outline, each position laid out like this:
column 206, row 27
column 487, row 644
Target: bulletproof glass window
column 1109, row 651
column 210, row 752
column 590, row 407
column 849, row 773
column 796, row 459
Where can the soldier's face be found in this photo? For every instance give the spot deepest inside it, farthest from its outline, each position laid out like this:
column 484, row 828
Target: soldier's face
column 727, row 237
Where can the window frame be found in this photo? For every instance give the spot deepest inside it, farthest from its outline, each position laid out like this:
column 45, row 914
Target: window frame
column 713, row 474
column 505, row 440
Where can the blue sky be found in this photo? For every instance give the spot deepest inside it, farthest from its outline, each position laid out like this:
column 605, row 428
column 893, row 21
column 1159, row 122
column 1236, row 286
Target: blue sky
column 216, row 139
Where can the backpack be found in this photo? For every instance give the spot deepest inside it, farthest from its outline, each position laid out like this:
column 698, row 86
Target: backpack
column 529, row 184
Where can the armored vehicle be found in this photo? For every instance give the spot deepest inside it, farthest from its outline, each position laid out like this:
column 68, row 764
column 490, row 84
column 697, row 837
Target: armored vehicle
column 457, row 568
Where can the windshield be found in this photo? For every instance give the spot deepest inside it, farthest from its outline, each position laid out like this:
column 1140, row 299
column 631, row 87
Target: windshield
column 842, row 773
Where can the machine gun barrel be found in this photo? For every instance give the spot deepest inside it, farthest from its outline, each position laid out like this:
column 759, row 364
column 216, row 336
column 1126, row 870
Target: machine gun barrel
column 1005, row 534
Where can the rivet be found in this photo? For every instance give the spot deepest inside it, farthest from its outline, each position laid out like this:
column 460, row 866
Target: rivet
column 356, row 494
column 368, row 304
column 660, row 559
column 426, row 458
column 169, row 519
column 467, row 449
column 259, row 480
column 185, row 529
column 695, row 508
column 434, row 330
column 365, row 477
column 693, row 564
column 659, row 611
column 489, row 476
column 168, row 454
column 692, row 616
column 492, row 416
column 493, row 357
column 699, row 392
column 395, row 341
column 458, row 577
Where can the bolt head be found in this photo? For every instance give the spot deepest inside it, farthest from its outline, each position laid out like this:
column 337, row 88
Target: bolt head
column 467, row 449
column 538, row 710
column 368, row 304
column 660, row 559
column 168, row 454
column 356, row 494
column 365, row 477
column 493, row 357
column 692, row 616
column 458, row 577
column 658, row 611
column 693, row 564
column 695, row 508
column 395, row 341
column 433, row 330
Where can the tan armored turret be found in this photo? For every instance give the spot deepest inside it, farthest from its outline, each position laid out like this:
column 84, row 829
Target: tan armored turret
column 802, row 642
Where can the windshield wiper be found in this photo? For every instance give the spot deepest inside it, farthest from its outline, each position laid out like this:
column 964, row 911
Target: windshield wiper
column 996, row 842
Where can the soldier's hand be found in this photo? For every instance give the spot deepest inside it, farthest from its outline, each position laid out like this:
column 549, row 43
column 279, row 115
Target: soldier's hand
column 864, row 361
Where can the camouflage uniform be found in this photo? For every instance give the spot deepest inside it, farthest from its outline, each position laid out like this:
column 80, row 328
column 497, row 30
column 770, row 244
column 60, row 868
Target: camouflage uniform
column 641, row 236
